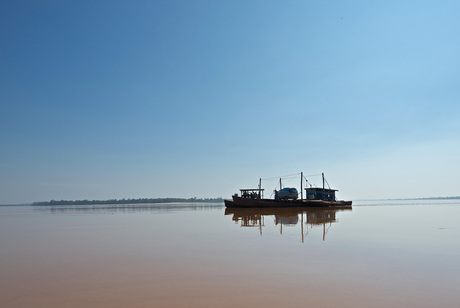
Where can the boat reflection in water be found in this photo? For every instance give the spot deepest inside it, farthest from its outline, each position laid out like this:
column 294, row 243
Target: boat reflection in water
column 310, row 217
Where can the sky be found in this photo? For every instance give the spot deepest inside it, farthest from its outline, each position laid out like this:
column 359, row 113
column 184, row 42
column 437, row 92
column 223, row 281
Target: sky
column 152, row 99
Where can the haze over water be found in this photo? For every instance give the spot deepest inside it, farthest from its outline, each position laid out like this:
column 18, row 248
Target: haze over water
column 379, row 254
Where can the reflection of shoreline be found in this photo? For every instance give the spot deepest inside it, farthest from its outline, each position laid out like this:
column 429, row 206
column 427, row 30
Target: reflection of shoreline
column 255, row 217
column 127, row 208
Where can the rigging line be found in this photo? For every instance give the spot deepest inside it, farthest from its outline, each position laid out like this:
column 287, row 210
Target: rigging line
column 274, row 178
column 273, row 190
column 327, row 183
column 312, row 175
column 327, row 230
column 277, row 179
column 291, row 177
column 283, row 176
column 306, row 180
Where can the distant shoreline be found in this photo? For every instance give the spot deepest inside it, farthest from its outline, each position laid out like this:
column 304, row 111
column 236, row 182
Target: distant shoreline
column 178, row 200
column 408, row 199
column 128, row 201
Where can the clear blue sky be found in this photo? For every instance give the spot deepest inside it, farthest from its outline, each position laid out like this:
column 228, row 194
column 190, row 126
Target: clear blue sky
column 130, row 99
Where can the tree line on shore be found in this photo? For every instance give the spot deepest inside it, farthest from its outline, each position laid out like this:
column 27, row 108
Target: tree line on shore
column 128, row 201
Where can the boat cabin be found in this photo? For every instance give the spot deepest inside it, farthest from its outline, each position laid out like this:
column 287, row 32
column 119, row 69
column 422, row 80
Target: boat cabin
column 316, row 193
column 252, row 193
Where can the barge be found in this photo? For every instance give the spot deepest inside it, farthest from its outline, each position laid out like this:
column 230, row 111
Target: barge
column 288, row 197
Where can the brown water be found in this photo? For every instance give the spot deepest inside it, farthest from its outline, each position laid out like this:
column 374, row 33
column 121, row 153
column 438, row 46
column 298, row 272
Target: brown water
column 380, row 254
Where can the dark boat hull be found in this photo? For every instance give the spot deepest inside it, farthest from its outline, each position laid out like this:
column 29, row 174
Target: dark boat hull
column 239, row 202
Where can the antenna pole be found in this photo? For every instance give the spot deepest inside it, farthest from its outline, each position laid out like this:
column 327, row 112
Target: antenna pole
column 324, row 198
column 301, row 185
column 323, row 179
column 260, row 186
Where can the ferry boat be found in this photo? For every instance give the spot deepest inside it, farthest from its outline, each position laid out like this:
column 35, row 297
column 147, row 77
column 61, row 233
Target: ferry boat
column 288, row 197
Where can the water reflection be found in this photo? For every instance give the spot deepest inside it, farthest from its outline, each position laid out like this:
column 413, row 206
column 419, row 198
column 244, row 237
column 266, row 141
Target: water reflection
column 308, row 217
column 127, row 208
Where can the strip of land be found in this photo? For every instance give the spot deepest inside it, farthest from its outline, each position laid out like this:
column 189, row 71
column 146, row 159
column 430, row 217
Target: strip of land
column 428, row 198
column 129, row 201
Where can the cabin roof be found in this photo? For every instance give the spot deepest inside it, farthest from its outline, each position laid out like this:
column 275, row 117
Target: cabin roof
column 319, row 188
column 252, row 189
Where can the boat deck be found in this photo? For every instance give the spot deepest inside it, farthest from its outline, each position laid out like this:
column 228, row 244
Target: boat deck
column 239, row 202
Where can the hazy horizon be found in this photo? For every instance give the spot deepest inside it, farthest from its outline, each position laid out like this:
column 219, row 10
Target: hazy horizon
column 223, row 198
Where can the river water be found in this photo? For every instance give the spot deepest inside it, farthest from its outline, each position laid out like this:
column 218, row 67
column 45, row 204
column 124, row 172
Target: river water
column 379, row 254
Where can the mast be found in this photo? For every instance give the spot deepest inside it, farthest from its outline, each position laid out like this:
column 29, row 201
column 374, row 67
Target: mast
column 301, row 186
column 280, row 184
column 260, row 188
column 323, row 197
column 301, row 226
column 324, row 231
column 260, row 224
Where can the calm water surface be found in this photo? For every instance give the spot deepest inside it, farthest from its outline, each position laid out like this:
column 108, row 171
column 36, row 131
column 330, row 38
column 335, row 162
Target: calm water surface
column 379, row 254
